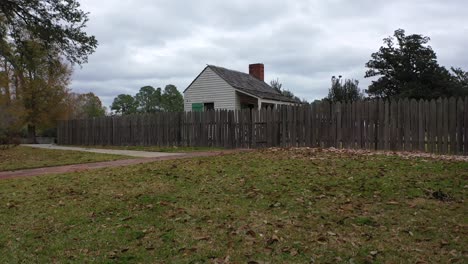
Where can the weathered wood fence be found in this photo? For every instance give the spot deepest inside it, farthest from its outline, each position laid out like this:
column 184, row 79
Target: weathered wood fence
column 437, row 126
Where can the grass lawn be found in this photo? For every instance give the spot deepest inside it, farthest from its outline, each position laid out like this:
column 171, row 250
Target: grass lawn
column 297, row 206
column 26, row 158
column 156, row 148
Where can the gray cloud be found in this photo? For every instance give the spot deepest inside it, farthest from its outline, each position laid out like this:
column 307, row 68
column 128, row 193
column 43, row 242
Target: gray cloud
column 303, row 43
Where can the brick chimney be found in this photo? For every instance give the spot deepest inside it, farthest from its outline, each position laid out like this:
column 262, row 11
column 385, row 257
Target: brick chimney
column 257, row 70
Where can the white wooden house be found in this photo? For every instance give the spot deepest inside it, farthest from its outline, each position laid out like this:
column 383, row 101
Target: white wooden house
column 220, row 88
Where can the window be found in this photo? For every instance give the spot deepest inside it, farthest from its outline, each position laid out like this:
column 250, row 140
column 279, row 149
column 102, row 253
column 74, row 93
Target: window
column 209, row 106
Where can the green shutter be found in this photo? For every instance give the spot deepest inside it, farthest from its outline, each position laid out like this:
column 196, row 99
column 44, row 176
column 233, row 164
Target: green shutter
column 197, row 107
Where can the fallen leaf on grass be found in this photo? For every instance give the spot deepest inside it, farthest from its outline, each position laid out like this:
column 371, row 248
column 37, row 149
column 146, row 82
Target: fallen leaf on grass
column 441, row 196
column 202, row 238
column 292, row 251
column 126, row 218
column 163, row 203
column 322, row 240
column 273, row 239
column 221, row 260
column 268, row 250
column 112, row 255
column 277, row 204
column 251, row 233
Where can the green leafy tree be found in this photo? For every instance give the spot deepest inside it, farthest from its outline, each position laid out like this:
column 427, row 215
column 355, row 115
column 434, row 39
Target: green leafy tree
column 172, row 99
column 461, row 79
column 407, row 67
column 149, row 99
column 124, row 104
column 347, row 90
column 82, row 106
column 92, row 105
column 55, row 25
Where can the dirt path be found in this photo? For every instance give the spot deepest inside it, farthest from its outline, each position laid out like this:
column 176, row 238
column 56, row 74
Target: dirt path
column 108, row 164
column 131, row 153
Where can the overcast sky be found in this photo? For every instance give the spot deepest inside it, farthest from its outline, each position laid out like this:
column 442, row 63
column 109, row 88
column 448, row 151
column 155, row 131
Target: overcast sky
column 302, row 42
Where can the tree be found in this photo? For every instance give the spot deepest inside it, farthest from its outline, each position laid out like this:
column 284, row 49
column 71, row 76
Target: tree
column 278, row 86
column 11, row 115
column 149, row 99
column 408, row 67
column 124, row 104
column 36, row 38
column 344, row 91
column 460, row 77
column 82, row 106
column 36, row 88
column 92, row 105
column 275, row 84
column 172, row 99
column 55, row 25
column 41, row 82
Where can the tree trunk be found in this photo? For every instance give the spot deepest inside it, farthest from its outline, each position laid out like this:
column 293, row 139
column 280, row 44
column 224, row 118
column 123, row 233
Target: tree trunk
column 32, row 134
column 7, row 83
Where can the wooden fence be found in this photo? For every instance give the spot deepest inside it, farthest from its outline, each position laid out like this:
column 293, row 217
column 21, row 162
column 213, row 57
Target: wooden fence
column 437, row 126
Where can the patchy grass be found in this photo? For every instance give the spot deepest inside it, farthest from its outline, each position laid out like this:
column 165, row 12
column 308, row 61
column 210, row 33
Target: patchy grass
column 157, row 149
column 274, row 206
column 26, row 158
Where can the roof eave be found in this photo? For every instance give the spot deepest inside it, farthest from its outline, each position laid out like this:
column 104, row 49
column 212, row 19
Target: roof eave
column 195, row 78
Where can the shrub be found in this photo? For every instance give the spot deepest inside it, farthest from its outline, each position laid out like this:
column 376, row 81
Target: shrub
column 9, row 128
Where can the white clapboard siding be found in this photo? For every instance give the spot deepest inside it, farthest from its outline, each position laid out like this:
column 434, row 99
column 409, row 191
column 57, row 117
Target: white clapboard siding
column 207, row 88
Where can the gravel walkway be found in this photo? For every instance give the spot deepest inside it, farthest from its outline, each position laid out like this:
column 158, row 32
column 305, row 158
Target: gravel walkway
column 131, row 153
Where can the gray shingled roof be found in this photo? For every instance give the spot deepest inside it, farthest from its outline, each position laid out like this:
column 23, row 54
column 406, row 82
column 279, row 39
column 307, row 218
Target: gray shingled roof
column 249, row 84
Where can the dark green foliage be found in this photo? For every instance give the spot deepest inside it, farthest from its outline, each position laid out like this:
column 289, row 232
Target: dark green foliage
column 344, row 91
column 461, row 80
column 9, row 133
column 149, row 99
column 8, row 126
column 408, row 67
column 92, row 106
column 172, row 99
column 56, row 25
column 124, row 104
